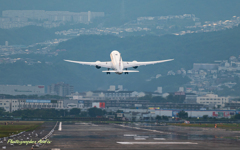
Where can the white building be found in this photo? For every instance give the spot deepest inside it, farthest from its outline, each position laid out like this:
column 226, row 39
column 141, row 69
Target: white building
column 6, row 43
column 159, row 90
column 120, row 87
column 9, row 105
column 40, row 104
column 212, row 99
column 112, row 88
column 22, row 89
column 181, row 89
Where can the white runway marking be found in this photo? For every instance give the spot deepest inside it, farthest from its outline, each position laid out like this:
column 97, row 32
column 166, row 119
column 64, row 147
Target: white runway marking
column 136, row 138
column 130, row 135
column 60, row 126
column 159, row 138
column 152, row 143
column 143, row 129
column 141, row 136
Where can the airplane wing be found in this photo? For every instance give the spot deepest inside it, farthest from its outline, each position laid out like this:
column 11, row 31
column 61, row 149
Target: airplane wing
column 135, row 63
column 107, row 64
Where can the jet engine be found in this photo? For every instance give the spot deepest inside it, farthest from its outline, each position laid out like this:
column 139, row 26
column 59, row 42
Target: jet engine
column 98, row 67
column 135, row 67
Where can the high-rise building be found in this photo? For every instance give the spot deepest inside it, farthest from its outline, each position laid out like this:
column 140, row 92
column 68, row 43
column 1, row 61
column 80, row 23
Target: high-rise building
column 120, row 87
column 181, row 89
column 60, row 89
column 159, row 89
column 112, row 88
column 89, row 16
column 6, row 43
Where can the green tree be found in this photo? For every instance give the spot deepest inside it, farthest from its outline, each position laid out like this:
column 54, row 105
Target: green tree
column 158, row 117
column 75, row 111
column 83, row 114
column 205, row 117
column 237, row 116
column 182, row 114
column 2, row 110
column 161, row 117
column 93, row 112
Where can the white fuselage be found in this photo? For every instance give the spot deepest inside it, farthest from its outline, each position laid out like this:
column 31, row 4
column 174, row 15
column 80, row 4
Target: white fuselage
column 117, row 63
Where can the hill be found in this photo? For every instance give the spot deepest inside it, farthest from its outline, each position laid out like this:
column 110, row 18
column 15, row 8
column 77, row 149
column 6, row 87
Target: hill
column 186, row 50
column 26, row 35
column 119, row 11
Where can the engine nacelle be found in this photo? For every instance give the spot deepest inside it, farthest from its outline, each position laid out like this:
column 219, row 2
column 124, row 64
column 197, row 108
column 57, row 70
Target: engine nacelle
column 135, row 67
column 98, row 67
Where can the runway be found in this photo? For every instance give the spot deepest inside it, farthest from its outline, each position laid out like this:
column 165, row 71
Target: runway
column 119, row 137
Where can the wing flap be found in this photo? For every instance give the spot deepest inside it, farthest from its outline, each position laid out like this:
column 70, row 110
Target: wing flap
column 135, row 63
column 106, row 64
column 81, row 62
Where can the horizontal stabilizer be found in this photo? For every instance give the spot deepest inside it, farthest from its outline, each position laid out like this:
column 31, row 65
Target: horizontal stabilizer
column 130, row 71
column 122, row 71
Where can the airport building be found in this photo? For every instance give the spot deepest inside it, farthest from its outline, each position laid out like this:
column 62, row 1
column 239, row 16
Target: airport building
column 11, row 105
column 69, row 104
column 233, row 105
column 40, row 104
column 22, row 89
column 212, row 99
column 191, row 113
column 106, row 95
column 190, row 98
column 139, row 104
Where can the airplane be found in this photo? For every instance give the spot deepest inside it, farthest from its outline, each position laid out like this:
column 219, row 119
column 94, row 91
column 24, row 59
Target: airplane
column 117, row 65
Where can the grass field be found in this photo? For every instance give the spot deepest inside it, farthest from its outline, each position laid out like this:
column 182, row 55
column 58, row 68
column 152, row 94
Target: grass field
column 227, row 126
column 14, row 127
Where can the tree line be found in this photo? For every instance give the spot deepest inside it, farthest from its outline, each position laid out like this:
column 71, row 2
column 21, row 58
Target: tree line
column 52, row 113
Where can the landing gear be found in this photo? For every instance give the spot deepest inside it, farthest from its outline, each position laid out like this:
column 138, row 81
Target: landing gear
column 126, row 72
column 108, row 70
